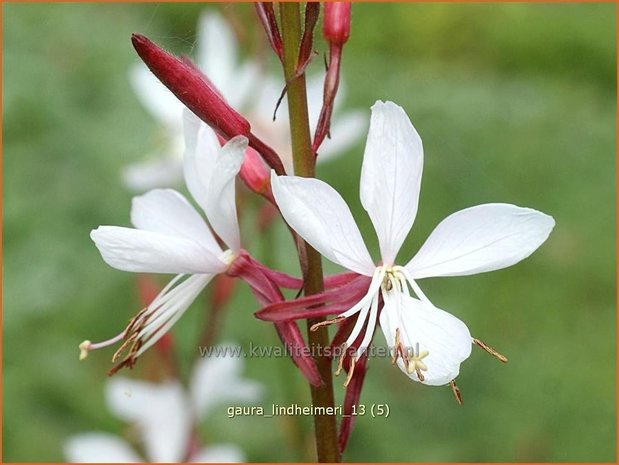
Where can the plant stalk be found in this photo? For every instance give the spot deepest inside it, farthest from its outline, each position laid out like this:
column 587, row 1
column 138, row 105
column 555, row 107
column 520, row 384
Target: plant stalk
column 304, row 163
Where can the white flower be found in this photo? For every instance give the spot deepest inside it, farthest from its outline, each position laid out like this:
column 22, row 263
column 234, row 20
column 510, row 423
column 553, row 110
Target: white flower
column 170, row 236
column 246, row 89
column 165, row 415
column 429, row 343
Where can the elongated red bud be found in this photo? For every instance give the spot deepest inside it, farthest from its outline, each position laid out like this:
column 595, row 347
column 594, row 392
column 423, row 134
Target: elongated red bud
column 336, row 29
column 266, row 15
column 190, row 87
column 306, row 53
column 336, row 22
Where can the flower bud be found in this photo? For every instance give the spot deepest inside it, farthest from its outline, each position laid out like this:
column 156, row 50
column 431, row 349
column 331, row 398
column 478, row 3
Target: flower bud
column 266, row 15
column 254, row 173
column 191, row 88
column 336, row 22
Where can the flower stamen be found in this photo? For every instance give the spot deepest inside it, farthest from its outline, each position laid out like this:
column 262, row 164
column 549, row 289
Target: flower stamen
column 340, row 362
column 86, row 346
column 331, row 321
column 456, row 391
column 399, row 350
column 490, row 350
column 351, row 370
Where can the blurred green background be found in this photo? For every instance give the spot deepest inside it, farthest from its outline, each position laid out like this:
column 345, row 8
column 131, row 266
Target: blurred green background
column 514, row 102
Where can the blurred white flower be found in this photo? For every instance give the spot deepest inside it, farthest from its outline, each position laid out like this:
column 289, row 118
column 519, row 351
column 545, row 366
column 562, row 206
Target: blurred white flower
column 346, row 129
column 165, row 415
column 246, row 88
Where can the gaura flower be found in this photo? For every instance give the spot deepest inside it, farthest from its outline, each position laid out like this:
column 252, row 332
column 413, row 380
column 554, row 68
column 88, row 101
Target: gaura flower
column 170, row 236
column 427, row 343
column 165, row 414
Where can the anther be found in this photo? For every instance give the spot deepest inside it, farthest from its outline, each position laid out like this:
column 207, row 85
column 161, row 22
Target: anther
column 340, row 362
column 399, row 350
column 396, row 347
column 337, row 319
column 86, row 346
column 490, row 350
column 351, row 370
column 84, row 349
column 456, row 391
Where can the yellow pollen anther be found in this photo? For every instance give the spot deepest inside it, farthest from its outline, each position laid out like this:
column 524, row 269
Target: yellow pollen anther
column 84, row 349
column 391, row 280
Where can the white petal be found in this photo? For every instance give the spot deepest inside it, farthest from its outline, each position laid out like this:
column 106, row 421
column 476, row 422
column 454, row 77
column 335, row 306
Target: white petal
column 160, row 411
column 346, row 130
column 391, row 176
column 210, row 171
column 99, row 448
column 220, row 453
column 140, row 251
column 167, row 212
column 319, row 214
column 218, row 380
column 424, row 327
column 217, row 51
column 220, row 206
column 479, row 239
column 201, row 152
column 155, row 97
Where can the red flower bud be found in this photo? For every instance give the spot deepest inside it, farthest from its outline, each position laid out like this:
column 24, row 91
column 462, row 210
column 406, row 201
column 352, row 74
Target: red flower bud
column 336, row 22
column 191, row 88
column 266, row 15
column 336, row 29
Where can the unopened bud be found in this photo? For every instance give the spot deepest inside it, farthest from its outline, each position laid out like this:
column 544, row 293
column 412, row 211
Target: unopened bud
column 191, row 88
column 254, row 172
column 336, row 22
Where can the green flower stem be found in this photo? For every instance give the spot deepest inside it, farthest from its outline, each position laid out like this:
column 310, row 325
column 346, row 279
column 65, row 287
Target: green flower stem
column 305, row 165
